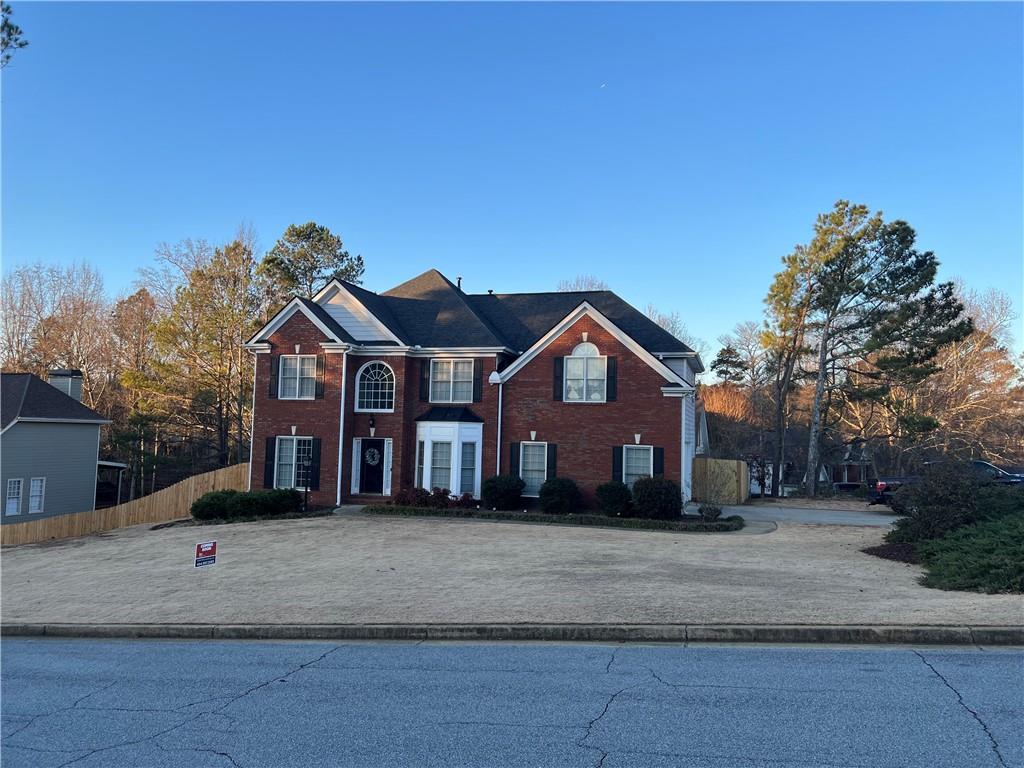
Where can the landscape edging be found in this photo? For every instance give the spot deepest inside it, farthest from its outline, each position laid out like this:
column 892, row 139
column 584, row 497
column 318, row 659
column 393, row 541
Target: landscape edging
column 637, row 633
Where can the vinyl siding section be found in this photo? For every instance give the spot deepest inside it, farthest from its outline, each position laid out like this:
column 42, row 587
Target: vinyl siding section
column 65, row 454
column 351, row 316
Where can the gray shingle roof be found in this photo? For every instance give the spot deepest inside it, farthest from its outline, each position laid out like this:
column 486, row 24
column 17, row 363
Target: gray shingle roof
column 26, row 396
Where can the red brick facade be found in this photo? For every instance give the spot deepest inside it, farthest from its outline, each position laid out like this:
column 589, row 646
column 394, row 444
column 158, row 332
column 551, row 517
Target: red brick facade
column 584, row 433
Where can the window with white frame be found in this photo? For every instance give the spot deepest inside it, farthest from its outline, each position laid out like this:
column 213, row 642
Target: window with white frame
column 451, row 381
column 467, row 480
column 376, row 387
column 533, row 466
column 298, row 377
column 441, row 465
column 637, row 462
column 420, row 458
column 294, row 456
column 12, row 505
column 586, row 375
column 36, row 494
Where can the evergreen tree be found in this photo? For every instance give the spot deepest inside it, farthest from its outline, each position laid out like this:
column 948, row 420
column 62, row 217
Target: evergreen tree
column 305, row 258
column 729, row 366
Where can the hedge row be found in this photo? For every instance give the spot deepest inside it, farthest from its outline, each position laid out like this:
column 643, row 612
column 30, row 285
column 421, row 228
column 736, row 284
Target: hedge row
column 254, row 505
column 732, row 523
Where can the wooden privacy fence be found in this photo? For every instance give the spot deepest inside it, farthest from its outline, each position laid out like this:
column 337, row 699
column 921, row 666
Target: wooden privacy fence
column 720, row 481
column 172, row 503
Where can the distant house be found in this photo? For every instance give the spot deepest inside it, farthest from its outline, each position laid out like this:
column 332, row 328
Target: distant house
column 49, row 446
column 359, row 395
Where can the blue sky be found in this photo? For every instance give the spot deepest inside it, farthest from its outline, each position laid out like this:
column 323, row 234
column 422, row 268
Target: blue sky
column 676, row 151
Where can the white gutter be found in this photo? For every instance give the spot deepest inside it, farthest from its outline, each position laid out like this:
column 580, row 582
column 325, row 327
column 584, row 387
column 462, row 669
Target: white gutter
column 497, row 469
column 341, row 422
column 252, row 421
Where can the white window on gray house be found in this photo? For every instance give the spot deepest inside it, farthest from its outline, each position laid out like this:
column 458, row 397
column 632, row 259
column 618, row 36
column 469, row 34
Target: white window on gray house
column 12, row 505
column 467, row 481
column 441, row 465
column 586, row 374
column 293, row 462
column 533, row 466
column 637, row 462
column 298, row 377
column 376, row 385
column 36, row 494
column 451, row 381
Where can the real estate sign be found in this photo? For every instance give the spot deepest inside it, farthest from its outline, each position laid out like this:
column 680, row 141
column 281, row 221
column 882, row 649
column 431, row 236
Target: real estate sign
column 206, row 553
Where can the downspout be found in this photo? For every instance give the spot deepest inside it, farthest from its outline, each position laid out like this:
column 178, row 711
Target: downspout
column 497, row 454
column 341, row 421
column 687, row 492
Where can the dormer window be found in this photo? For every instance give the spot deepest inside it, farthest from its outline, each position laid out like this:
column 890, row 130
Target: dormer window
column 586, row 375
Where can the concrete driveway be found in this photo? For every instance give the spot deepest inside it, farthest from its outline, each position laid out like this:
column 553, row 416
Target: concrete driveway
column 346, row 569
column 875, row 516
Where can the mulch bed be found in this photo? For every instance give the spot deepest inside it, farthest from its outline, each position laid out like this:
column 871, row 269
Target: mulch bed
column 901, row 553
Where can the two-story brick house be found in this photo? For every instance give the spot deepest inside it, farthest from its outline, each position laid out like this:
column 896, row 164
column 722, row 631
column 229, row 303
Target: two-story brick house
column 359, row 394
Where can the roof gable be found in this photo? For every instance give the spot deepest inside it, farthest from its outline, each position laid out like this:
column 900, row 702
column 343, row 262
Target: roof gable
column 24, row 396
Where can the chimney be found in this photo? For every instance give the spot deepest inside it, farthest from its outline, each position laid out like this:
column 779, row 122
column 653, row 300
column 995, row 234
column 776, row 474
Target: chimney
column 458, row 282
column 68, row 381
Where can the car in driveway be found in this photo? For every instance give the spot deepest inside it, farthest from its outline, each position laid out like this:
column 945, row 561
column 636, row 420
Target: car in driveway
column 886, row 487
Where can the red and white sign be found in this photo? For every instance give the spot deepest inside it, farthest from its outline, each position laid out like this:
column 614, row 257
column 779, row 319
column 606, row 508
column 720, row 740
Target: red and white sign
column 206, row 553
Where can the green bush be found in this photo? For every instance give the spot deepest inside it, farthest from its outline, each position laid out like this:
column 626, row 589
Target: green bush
column 657, row 498
column 560, row 496
column 230, row 505
column 212, row 505
column 502, row 492
column 985, row 557
column 615, row 499
column 949, row 496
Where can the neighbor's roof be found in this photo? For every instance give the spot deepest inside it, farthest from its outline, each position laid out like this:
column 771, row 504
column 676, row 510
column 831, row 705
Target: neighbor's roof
column 26, row 396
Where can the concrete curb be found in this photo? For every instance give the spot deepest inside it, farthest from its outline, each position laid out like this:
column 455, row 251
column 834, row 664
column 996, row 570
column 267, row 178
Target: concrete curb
column 601, row 633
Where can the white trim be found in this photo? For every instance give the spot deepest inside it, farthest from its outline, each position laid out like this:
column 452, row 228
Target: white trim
column 357, row 461
column 533, row 442
column 585, row 309
column 283, row 316
column 394, row 389
column 295, row 458
column 21, row 494
column 586, row 377
column 357, row 455
column 341, row 424
column 451, row 380
column 96, row 482
column 336, row 285
column 41, row 420
column 389, row 451
column 298, row 377
column 258, row 348
column 650, row 449
column 252, row 425
column 42, row 503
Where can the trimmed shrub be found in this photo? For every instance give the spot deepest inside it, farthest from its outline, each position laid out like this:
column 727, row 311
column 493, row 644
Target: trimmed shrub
column 949, row 496
column 212, row 505
column 440, row 498
column 560, row 496
column 986, row 557
column 657, row 498
column 615, row 499
column 466, row 501
column 709, row 512
column 502, row 492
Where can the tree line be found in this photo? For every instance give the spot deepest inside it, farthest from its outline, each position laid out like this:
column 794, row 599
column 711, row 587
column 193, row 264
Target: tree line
column 861, row 352
column 166, row 362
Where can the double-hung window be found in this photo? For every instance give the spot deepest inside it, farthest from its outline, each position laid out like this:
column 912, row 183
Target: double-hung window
column 586, row 375
column 441, row 465
column 533, row 466
column 637, row 462
column 467, row 481
column 36, row 494
column 298, row 377
column 451, row 381
column 12, row 505
column 294, row 458
column 420, row 458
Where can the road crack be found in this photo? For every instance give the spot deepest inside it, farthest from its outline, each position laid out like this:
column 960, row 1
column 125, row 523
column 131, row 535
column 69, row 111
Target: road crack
column 582, row 743
column 975, row 715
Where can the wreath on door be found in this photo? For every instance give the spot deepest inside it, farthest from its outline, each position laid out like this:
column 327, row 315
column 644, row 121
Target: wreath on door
column 372, row 457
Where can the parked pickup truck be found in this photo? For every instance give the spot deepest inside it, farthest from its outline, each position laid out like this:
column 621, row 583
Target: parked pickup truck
column 885, row 487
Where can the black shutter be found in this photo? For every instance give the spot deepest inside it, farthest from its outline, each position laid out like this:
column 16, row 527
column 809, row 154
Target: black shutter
column 612, row 389
column 617, row 463
column 425, row 380
column 478, row 380
column 314, row 466
column 268, row 463
column 556, row 389
column 513, row 459
column 275, row 367
column 320, row 361
column 659, row 462
column 552, row 460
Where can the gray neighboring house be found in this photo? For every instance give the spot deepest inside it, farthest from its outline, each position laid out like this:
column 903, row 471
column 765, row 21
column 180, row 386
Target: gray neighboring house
column 49, row 446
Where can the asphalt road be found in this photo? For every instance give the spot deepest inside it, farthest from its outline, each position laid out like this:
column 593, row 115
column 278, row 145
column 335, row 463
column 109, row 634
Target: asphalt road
column 876, row 516
column 147, row 703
